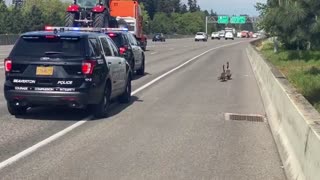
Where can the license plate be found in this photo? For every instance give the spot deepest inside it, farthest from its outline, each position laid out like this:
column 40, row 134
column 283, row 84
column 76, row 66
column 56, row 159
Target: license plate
column 44, row 71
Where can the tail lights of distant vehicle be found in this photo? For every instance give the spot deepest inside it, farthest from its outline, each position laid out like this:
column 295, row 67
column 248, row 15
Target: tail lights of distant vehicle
column 112, row 34
column 8, row 64
column 88, row 66
column 123, row 49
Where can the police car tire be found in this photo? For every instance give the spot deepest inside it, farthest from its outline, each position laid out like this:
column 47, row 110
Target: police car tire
column 16, row 110
column 132, row 64
column 101, row 110
column 142, row 68
column 126, row 96
column 69, row 19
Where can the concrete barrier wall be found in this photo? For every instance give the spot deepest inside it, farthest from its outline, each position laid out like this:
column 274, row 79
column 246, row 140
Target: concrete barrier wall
column 295, row 124
column 8, row 39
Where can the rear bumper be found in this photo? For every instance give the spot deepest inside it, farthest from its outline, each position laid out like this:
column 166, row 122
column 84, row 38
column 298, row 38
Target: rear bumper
column 200, row 39
column 30, row 98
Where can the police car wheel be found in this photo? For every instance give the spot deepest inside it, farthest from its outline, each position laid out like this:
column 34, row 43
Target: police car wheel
column 101, row 110
column 142, row 68
column 126, row 96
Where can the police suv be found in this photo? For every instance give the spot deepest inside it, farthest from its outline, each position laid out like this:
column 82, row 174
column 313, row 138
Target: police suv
column 62, row 66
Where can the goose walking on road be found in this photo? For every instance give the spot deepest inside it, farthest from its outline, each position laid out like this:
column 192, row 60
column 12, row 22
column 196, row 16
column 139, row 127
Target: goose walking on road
column 223, row 74
column 228, row 71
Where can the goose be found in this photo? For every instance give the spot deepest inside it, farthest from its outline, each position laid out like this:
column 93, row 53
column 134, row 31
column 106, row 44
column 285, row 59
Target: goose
column 223, row 74
column 228, row 71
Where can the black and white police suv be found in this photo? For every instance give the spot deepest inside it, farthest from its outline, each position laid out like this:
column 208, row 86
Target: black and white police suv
column 129, row 47
column 76, row 69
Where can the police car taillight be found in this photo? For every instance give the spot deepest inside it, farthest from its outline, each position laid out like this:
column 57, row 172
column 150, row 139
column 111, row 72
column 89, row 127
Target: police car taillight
column 112, row 34
column 122, row 50
column 7, row 65
column 50, row 37
column 88, row 66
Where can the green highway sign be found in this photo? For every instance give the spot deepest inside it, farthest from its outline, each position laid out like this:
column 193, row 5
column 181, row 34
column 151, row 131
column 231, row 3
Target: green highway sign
column 223, row 19
column 238, row 20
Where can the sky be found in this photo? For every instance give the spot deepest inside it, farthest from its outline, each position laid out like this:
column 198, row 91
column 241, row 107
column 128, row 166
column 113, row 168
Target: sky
column 225, row 7
column 230, row 7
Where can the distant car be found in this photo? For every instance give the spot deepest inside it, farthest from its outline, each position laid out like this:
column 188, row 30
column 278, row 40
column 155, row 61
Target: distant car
column 221, row 34
column 159, row 37
column 215, row 35
column 201, row 36
column 238, row 34
column 229, row 35
column 250, row 34
column 244, row 34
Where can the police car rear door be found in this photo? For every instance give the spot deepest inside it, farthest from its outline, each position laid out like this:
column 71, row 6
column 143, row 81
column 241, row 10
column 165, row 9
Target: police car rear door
column 122, row 64
column 113, row 64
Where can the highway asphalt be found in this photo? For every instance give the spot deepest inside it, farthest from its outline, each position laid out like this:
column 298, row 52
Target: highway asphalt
column 174, row 128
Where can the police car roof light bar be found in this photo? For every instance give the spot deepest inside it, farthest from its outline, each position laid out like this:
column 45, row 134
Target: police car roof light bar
column 84, row 29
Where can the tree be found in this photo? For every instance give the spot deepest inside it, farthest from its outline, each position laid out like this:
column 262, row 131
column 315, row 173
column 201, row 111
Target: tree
column 161, row 23
column 15, row 21
column 198, row 8
column 192, row 5
column 146, row 19
column 3, row 15
column 150, row 6
column 184, row 9
column 35, row 19
column 294, row 22
column 206, row 13
column 213, row 13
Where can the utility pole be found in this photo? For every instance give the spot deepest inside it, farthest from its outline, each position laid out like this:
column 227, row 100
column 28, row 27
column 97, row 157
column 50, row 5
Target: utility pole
column 206, row 24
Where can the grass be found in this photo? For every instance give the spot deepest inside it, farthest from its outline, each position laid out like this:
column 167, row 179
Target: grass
column 301, row 68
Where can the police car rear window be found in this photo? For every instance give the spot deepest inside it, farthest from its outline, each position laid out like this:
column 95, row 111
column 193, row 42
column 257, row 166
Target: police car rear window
column 39, row 46
column 117, row 39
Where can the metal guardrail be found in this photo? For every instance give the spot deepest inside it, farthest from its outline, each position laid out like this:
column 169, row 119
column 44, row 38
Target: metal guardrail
column 8, row 39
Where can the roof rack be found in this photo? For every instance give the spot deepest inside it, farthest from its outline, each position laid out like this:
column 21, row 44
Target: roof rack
column 57, row 29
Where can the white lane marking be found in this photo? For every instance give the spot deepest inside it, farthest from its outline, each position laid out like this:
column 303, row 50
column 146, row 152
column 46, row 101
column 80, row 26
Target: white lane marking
column 153, row 53
column 1, row 67
column 59, row 134
column 33, row 148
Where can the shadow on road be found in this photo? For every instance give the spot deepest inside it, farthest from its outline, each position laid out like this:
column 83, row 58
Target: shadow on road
column 53, row 113
column 140, row 76
column 117, row 108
